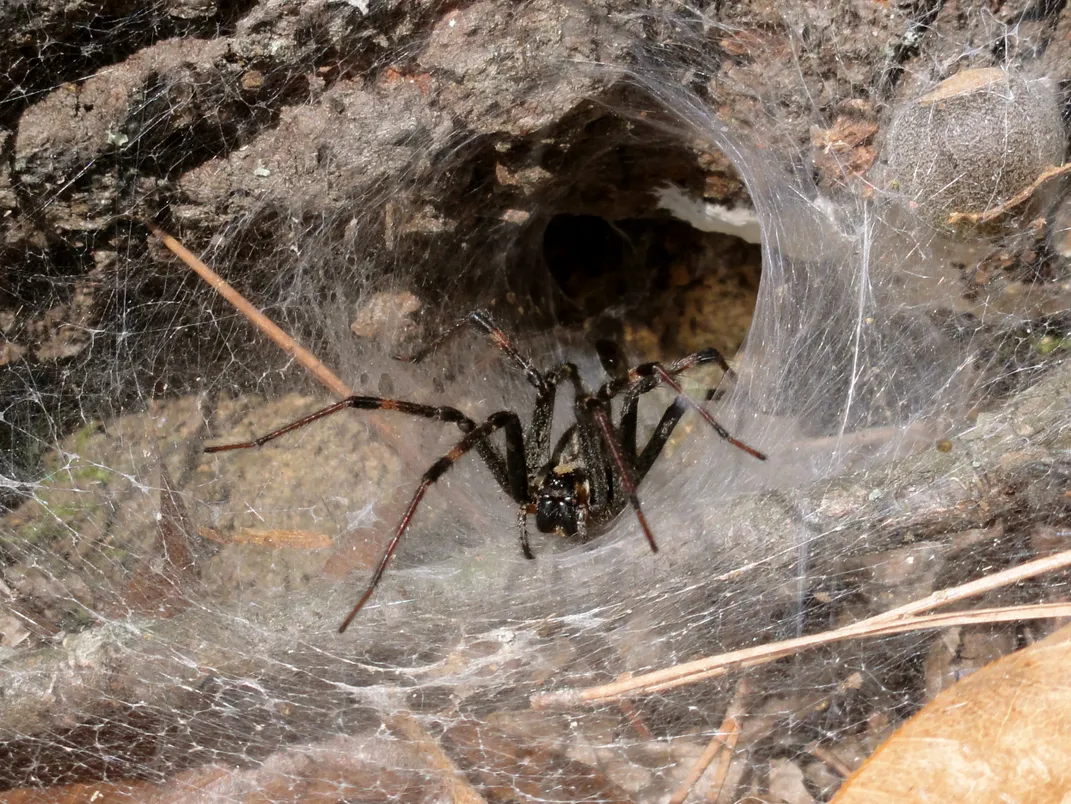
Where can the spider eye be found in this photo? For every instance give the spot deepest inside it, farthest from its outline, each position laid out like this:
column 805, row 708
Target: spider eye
column 557, row 513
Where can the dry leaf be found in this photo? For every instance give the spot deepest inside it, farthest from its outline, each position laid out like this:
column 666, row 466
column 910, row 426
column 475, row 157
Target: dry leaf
column 1001, row 735
column 161, row 583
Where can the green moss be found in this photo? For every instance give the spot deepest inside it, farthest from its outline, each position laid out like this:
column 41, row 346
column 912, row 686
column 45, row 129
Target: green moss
column 42, row 532
column 52, row 522
column 90, row 473
column 1050, row 343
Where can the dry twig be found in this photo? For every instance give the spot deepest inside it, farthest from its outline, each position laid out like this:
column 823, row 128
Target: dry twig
column 976, row 218
column 829, row 759
column 459, row 788
column 895, row 621
column 306, row 358
column 723, row 742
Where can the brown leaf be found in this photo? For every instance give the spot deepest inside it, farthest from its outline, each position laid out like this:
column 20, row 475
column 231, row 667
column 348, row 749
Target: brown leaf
column 362, row 548
column 1002, row 734
column 162, row 581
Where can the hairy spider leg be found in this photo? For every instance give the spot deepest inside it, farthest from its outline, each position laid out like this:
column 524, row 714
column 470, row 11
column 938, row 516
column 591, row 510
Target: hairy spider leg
column 511, row 473
column 538, row 454
column 627, row 380
column 601, row 413
column 595, row 431
column 600, row 473
column 622, row 377
column 668, row 379
column 481, row 320
column 503, row 470
column 646, row 377
column 542, row 419
column 440, row 412
column 615, row 366
column 537, row 443
column 643, row 461
column 504, row 420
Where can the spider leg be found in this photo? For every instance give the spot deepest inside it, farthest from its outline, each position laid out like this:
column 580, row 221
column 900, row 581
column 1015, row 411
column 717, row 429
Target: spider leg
column 538, row 436
column 522, row 525
column 503, row 420
column 539, row 455
column 442, row 413
column 670, row 417
column 663, row 430
column 601, row 416
column 612, row 361
column 646, row 377
column 626, row 380
column 481, row 319
column 668, row 379
column 600, row 471
column 560, row 446
column 629, row 411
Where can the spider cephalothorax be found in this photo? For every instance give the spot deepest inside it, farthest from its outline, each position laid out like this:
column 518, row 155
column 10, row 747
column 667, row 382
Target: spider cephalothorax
column 575, row 489
column 561, row 504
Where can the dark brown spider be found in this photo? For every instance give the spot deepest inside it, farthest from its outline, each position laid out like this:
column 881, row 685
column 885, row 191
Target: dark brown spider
column 578, row 487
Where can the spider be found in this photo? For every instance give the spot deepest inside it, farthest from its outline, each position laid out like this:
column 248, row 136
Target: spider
column 575, row 489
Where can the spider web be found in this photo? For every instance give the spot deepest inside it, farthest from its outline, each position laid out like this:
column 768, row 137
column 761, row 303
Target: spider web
column 365, row 173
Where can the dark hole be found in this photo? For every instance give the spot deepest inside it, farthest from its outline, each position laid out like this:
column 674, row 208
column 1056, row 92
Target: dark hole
column 581, row 248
